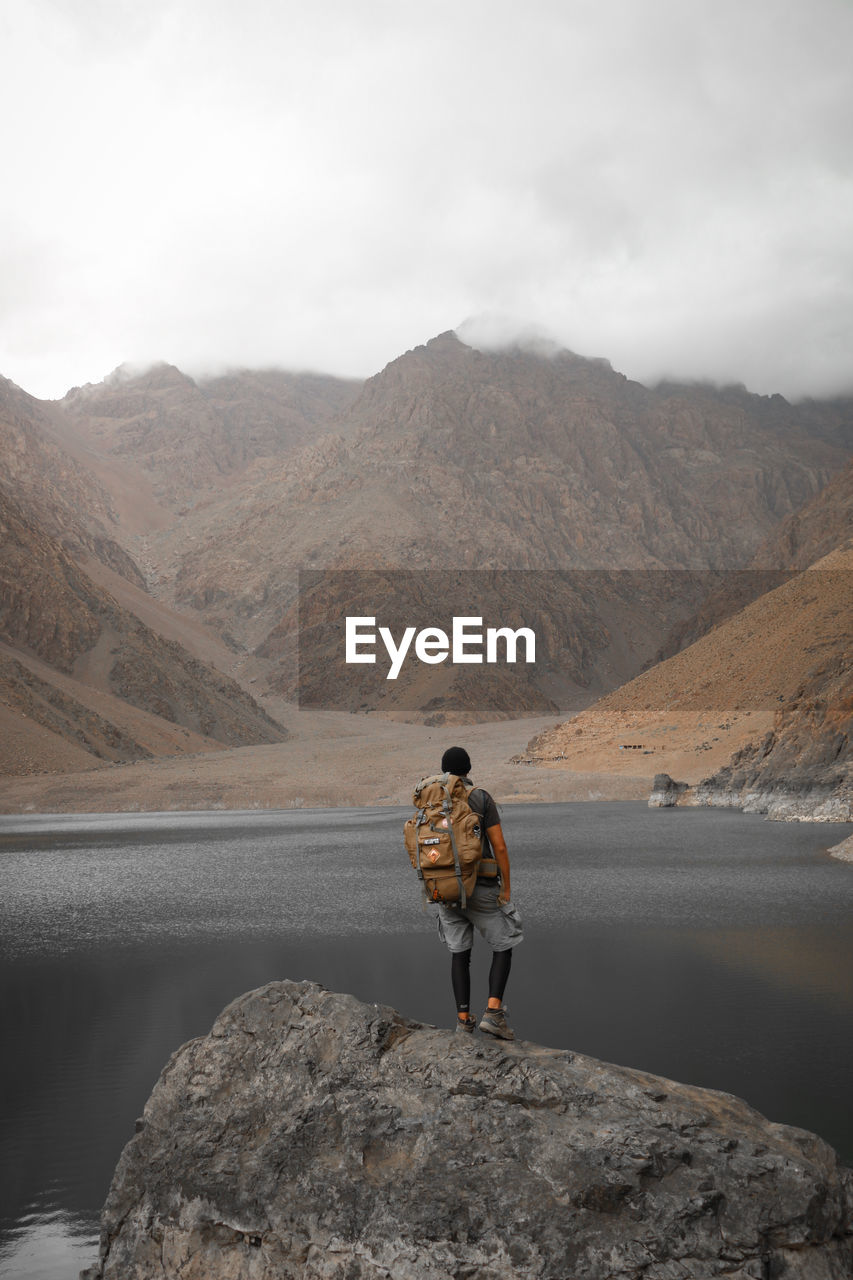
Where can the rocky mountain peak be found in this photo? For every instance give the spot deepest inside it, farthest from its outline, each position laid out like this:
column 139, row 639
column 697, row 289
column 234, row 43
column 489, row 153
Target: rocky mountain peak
column 14, row 400
column 448, row 341
column 153, row 378
column 187, row 436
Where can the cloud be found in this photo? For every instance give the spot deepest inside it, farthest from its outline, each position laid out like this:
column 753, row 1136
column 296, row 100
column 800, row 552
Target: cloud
column 494, row 332
column 668, row 184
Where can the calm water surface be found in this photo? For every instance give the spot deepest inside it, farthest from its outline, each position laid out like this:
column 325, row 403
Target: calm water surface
column 708, row 946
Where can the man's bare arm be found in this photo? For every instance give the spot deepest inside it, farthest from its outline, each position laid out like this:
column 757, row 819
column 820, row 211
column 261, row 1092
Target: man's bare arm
column 499, row 849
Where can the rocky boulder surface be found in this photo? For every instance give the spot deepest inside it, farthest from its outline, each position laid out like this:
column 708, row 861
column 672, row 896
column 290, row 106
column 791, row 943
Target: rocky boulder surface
column 311, row 1135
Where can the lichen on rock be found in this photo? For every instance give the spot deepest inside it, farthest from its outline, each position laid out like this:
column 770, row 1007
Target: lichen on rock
column 311, row 1135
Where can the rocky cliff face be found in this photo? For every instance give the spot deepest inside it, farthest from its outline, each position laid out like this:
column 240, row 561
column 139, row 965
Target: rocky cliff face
column 189, row 435
column 313, row 1136
column 787, row 656
column 821, row 526
column 802, row 768
column 56, row 489
column 47, row 603
column 50, row 609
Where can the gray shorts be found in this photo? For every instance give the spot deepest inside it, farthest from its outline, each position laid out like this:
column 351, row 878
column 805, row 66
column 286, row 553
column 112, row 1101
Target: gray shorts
column 499, row 925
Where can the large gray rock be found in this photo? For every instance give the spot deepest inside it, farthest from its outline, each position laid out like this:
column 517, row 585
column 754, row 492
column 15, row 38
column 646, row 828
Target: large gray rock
column 666, row 792
column 310, row 1135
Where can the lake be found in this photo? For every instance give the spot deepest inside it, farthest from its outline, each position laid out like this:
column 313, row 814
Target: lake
column 709, row 946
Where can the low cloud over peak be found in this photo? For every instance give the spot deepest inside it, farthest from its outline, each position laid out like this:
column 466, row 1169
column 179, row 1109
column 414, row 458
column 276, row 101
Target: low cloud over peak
column 492, row 332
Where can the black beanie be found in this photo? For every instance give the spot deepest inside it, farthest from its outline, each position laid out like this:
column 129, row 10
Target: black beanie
column 456, row 760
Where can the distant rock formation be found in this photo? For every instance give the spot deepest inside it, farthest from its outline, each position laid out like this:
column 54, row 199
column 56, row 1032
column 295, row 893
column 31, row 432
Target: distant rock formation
column 666, row 792
column 310, row 1135
column 844, row 850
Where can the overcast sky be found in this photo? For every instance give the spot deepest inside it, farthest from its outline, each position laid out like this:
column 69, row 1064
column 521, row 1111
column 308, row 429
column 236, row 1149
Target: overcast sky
column 667, row 183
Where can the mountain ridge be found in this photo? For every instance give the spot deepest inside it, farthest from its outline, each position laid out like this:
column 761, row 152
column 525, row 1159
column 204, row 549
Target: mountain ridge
column 189, row 434
column 212, row 493
column 566, row 478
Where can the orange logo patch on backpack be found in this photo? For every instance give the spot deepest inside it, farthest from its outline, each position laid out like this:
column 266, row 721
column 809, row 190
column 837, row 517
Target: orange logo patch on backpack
column 433, row 855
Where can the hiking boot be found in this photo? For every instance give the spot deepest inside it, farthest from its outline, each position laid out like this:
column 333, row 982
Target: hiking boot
column 467, row 1024
column 494, row 1022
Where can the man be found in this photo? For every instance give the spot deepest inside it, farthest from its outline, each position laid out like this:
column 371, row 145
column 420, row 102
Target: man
column 488, row 909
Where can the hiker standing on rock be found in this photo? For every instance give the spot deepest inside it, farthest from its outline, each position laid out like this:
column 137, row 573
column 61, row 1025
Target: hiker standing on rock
column 469, row 882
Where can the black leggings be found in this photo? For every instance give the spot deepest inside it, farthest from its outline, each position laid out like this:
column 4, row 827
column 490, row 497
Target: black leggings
column 460, row 975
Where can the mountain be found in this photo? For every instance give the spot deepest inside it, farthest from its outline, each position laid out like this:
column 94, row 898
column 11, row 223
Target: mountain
column 513, row 460
column 82, row 667
column 822, row 525
column 452, row 458
column 111, row 465
column 768, row 693
column 802, row 766
column 762, row 637
column 188, row 436
column 58, row 487
column 204, row 499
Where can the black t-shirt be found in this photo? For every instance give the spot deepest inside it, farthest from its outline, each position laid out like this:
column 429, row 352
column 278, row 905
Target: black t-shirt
column 483, row 804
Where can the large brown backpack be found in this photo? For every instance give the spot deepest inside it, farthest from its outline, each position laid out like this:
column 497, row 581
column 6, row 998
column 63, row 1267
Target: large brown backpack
column 446, row 840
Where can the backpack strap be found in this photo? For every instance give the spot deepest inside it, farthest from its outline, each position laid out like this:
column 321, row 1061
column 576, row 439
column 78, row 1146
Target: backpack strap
column 419, row 821
column 448, row 807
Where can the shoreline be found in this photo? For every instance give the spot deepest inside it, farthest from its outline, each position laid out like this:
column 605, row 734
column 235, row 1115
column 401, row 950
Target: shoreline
column 61, row 796
column 32, row 821
column 791, row 804
column 329, row 760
